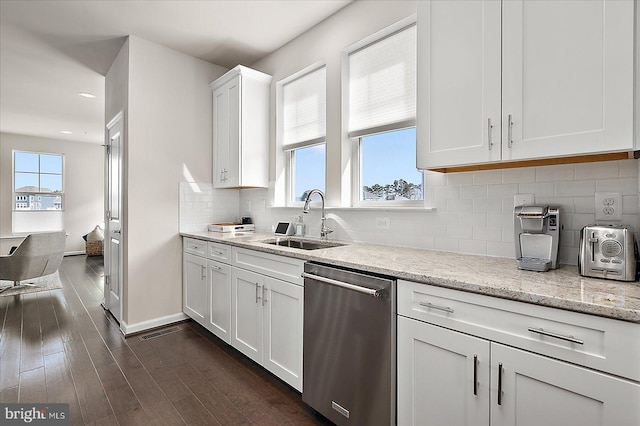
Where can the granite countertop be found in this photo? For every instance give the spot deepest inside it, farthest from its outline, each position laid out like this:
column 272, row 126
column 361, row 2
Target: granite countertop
column 562, row 288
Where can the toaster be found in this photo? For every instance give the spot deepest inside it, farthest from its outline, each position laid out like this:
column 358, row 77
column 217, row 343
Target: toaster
column 608, row 251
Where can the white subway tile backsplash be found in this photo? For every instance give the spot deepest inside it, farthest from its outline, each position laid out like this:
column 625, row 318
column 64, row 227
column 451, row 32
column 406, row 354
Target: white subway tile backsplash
column 628, row 186
column 576, row 188
column 541, row 189
column 555, row 173
column 473, row 192
column 474, row 209
column 603, row 170
column 502, row 191
column 485, row 177
column 521, row 175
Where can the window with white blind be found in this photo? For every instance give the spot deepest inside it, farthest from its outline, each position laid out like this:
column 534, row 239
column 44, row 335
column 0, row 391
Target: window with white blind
column 302, row 131
column 381, row 108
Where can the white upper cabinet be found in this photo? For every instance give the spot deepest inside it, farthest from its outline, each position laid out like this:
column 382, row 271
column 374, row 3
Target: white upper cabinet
column 241, row 129
column 458, row 82
column 514, row 80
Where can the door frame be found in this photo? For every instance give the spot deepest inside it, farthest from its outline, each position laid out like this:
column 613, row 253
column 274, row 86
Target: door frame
column 120, row 116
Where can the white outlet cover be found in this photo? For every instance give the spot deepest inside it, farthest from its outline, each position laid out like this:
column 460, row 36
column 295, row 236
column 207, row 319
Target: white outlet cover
column 608, row 206
column 383, row 223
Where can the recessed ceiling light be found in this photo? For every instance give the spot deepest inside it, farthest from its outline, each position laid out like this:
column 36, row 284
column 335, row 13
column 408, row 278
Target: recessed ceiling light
column 86, row 95
column 66, row 132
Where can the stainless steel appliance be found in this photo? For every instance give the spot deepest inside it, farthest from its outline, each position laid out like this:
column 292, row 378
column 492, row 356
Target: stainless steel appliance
column 608, row 251
column 537, row 237
column 349, row 345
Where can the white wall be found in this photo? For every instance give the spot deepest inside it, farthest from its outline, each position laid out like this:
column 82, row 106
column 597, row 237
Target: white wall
column 83, row 185
column 168, row 141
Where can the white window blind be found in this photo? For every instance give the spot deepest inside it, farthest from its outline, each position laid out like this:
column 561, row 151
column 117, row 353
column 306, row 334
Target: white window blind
column 304, row 110
column 382, row 84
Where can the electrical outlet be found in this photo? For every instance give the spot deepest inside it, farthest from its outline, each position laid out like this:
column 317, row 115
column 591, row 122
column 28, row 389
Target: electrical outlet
column 608, row 206
column 522, row 199
column 383, row 223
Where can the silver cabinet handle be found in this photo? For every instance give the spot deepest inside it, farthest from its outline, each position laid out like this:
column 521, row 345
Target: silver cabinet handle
column 204, row 271
column 257, row 290
column 475, row 374
column 500, row 384
column 217, row 268
column 365, row 290
column 510, row 131
column 226, row 175
column 555, row 335
column 216, row 252
column 221, row 175
column 489, row 133
column 440, row 308
column 264, row 294
column 116, row 231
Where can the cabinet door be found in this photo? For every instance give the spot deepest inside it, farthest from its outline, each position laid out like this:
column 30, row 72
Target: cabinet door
column 458, row 82
column 567, row 77
column 226, row 134
column 246, row 313
column 436, row 374
column 219, row 323
column 194, row 287
column 283, row 317
column 537, row 390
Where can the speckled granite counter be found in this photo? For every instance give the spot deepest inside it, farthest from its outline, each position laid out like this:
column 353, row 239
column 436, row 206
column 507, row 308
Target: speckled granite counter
column 563, row 288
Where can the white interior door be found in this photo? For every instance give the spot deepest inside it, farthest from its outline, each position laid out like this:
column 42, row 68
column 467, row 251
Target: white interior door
column 113, row 218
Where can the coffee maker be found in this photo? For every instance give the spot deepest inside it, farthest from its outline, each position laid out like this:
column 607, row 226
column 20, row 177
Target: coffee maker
column 537, row 237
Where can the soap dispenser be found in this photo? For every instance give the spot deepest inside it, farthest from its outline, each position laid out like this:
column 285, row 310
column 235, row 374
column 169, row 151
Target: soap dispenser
column 299, row 226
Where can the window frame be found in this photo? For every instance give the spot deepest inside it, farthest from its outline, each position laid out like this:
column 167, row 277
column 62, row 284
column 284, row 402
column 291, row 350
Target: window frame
column 39, row 173
column 290, row 150
column 354, row 140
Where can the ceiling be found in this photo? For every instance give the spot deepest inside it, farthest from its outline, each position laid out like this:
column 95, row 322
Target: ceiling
column 52, row 50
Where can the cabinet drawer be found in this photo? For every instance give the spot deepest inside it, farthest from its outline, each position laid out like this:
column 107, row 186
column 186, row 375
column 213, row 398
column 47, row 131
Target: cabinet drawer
column 193, row 246
column 219, row 252
column 281, row 267
column 600, row 343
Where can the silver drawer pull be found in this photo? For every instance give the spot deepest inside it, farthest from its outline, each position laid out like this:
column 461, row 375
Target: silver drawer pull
column 215, row 267
column 557, row 336
column 440, row 308
column 216, row 252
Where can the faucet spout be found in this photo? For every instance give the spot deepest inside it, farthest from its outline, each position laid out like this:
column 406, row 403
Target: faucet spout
column 306, row 196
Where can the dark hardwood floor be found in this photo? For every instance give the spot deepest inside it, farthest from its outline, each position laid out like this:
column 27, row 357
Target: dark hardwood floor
column 61, row 346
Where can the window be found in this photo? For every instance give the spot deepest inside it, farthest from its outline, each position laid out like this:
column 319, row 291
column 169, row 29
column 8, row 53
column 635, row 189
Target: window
column 384, row 180
column 303, row 128
column 37, row 189
column 381, row 123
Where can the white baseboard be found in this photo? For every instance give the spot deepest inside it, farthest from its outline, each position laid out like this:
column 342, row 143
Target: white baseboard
column 152, row 323
column 74, row 253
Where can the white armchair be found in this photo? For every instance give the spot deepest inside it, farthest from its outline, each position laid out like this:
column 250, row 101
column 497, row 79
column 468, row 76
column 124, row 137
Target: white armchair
column 38, row 255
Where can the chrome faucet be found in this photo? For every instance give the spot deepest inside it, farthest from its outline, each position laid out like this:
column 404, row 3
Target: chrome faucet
column 306, row 196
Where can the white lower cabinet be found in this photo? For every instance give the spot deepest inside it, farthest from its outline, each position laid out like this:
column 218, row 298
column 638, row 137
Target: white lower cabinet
column 436, row 374
column 267, row 315
column 194, row 287
column 453, row 378
column 219, row 303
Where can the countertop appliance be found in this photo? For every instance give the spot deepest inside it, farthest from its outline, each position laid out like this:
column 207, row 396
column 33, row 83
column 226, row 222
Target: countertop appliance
column 537, row 237
column 608, row 251
column 349, row 345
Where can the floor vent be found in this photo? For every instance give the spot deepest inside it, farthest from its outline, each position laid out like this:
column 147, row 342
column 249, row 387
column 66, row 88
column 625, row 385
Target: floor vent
column 159, row 333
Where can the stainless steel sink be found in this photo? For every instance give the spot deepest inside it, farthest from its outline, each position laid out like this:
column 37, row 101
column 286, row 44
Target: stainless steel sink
column 302, row 244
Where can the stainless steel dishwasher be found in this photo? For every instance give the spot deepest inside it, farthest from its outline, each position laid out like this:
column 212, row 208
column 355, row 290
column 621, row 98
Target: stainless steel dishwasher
column 349, row 350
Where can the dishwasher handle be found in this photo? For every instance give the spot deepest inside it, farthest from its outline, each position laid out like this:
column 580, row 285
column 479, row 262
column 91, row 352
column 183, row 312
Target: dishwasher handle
column 360, row 289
